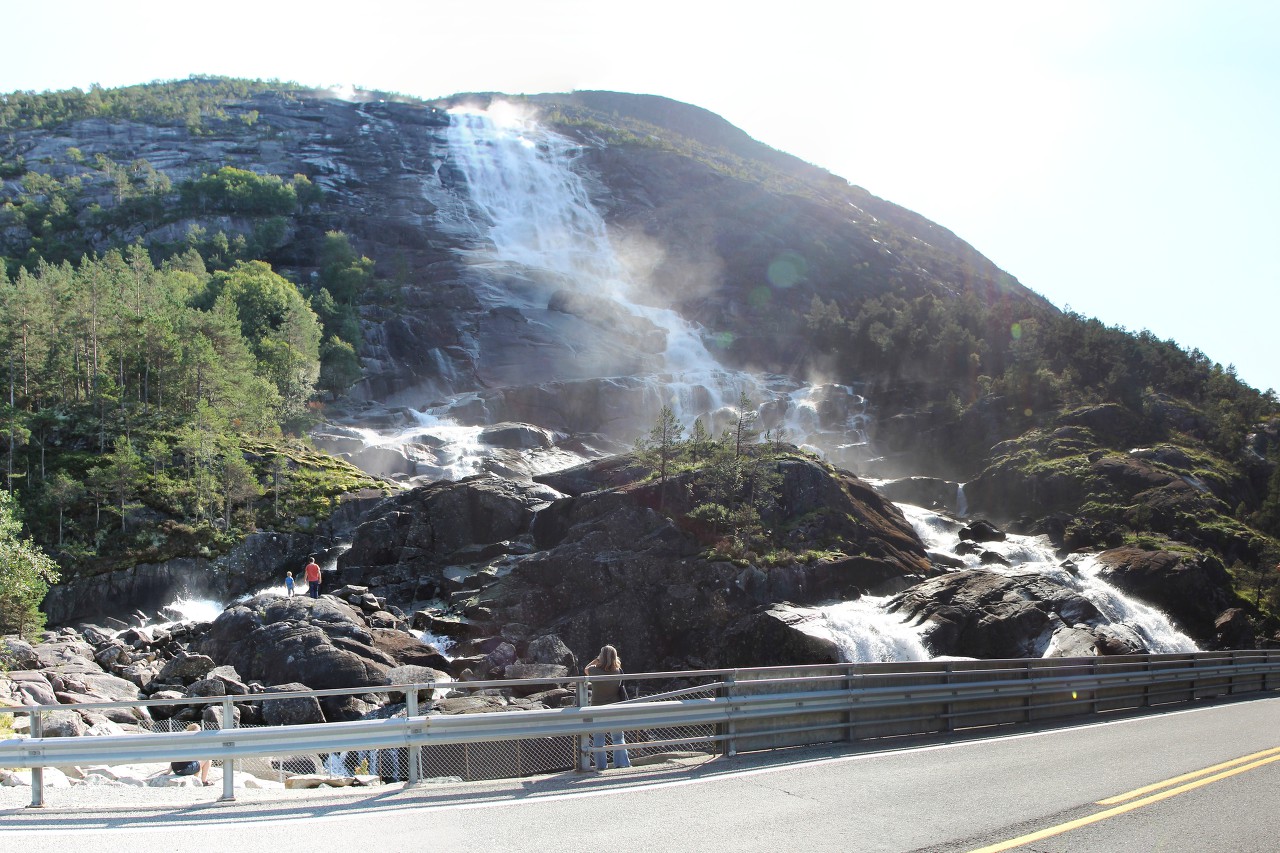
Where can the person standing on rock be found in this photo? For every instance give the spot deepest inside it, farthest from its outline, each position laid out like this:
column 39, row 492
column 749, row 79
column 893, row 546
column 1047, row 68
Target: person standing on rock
column 313, row 577
column 288, row 583
column 606, row 693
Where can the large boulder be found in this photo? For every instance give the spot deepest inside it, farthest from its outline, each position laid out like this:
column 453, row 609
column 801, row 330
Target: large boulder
column 982, row 614
column 17, row 653
column 780, row 633
column 186, row 668
column 63, row 724
column 402, row 675
column 323, row 643
column 1193, row 588
column 551, row 649
column 406, row 649
column 32, row 687
column 294, row 711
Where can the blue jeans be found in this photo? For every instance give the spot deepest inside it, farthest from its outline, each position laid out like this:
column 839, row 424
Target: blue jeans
column 620, row 757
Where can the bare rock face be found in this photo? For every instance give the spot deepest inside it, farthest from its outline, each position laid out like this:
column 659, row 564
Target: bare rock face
column 987, row 615
column 617, row 571
column 261, row 558
column 321, row 643
column 605, row 566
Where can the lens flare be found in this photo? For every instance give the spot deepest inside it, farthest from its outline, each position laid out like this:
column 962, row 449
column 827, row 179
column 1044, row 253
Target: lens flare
column 787, row 269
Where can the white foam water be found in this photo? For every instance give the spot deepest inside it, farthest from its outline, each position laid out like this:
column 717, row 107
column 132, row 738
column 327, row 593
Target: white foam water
column 192, row 610
column 865, row 633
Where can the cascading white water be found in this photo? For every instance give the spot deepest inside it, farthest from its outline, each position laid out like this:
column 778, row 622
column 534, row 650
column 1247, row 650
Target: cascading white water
column 541, row 221
column 1157, row 631
column 444, row 645
column 545, row 265
column 859, row 629
column 866, row 633
column 186, row 609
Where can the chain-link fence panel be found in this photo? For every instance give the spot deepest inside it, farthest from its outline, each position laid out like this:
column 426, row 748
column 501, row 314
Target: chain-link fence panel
column 511, row 759
column 467, row 762
column 673, row 738
column 263, row 767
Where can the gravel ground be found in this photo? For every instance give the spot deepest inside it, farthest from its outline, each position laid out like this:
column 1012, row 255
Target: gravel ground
column 108, row 797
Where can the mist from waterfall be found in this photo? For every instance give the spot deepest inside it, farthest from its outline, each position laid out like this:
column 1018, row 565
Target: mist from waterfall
column 540, row 219
column 543, row 261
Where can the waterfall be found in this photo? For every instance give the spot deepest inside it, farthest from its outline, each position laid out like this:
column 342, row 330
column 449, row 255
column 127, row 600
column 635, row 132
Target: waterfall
column 185, row 609
column 962, row 503
column 540, row 221
column 562, row 307
column 1157, row 631
column 864, row 632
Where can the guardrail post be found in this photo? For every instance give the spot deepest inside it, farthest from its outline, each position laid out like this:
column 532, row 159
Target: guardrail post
column 851, row 734
column 37, row 773
column 1026, row 700
column 949, row 720
column 415, row 753
column 584, row 757
column 1093, row 694
column 729, row 746
column 228, row 764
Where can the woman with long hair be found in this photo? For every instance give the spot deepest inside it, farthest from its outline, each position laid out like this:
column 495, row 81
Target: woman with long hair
column 606, row 693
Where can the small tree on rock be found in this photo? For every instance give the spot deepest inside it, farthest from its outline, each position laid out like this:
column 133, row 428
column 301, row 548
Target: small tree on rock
column 662, row 447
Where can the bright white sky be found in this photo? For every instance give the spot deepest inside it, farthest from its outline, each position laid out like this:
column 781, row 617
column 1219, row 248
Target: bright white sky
column 1120, row 157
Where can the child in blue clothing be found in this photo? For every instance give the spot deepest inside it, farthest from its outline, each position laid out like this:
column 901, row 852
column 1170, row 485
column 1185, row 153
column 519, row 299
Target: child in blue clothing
column 288, row 582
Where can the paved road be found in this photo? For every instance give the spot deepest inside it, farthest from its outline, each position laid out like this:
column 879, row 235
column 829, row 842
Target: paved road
column 1195, row 780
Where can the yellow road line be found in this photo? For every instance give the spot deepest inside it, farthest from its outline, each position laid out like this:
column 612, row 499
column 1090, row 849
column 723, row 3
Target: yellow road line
column 1051, row 831
column 1137, row 792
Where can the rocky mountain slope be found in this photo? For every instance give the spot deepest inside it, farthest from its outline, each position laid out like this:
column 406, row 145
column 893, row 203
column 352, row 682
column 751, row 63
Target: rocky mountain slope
column 665, row 259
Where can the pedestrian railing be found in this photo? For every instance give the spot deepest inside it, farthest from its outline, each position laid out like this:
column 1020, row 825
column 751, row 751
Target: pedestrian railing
column 715, row 711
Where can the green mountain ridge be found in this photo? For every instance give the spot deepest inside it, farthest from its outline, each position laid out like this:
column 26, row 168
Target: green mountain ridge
column 244, row 271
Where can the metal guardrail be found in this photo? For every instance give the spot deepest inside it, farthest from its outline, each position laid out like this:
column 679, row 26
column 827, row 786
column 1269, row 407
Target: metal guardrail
column 725, row 710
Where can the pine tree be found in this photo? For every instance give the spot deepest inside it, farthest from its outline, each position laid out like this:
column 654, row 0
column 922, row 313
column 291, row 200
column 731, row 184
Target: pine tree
column 62, row 491
column 124, row 472
column 25, row 575
column 239, row 485
column 743, row 425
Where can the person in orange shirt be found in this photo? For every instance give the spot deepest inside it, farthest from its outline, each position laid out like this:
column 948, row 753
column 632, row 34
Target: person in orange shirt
column 313, row 577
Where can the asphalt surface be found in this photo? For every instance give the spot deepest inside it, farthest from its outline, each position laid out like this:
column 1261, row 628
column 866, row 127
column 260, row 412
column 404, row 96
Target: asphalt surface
column 1192, row 780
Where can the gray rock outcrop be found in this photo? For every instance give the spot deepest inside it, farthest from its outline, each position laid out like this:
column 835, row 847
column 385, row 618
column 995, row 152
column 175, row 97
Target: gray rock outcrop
column 974, row 613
